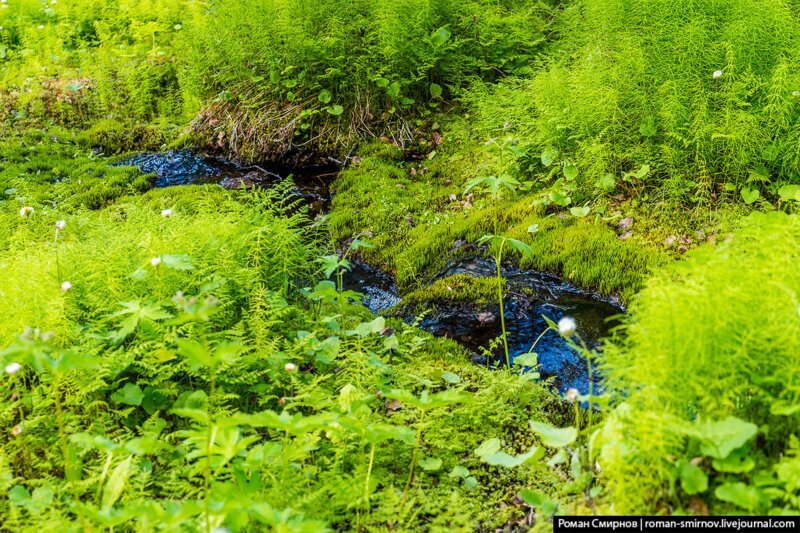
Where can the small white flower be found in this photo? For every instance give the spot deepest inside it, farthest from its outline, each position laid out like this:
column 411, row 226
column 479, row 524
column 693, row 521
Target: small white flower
column 717, row 74
column 572, row 395
column 60, row 225
column 66, row 286
column 41, row 26
column 16, row 430
column 567, row 326
column 13, row 368
column 155, row 261
column 289, row 367
column 26, row 211
column 166, row 213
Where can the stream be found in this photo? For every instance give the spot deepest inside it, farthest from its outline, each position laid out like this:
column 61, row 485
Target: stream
column 531, row 294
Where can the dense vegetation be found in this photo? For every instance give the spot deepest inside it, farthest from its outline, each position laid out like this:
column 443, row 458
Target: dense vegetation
column 187, row 358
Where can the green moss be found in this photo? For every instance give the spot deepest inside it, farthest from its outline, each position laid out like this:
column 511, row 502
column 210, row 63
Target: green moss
column 418, row 218
column 460, row 288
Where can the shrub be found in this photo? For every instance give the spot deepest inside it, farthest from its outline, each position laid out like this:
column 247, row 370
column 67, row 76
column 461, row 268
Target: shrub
column 717, row 337
column 287, row 72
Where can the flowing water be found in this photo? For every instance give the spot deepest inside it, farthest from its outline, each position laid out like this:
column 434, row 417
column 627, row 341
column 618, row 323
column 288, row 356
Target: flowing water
column 532, row 294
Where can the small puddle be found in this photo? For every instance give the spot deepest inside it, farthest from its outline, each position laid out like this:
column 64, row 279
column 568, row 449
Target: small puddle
column 531, row 294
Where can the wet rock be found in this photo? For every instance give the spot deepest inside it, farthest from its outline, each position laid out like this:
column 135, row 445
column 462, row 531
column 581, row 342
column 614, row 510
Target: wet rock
column 670, row 241
column 626, row 224
column 487, row 317
column 625, row 236
column 248, row 181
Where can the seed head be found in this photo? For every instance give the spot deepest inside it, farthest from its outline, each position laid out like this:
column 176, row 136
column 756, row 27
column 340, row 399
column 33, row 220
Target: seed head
column 289, row 367
column 60, row 225
column 166, row 213
column 572, row 395
column 717, row 74
column 567, row 326
column 26, row 211
column 13, row 368
column 16, row 430
column 155, row 261
column 66, row 286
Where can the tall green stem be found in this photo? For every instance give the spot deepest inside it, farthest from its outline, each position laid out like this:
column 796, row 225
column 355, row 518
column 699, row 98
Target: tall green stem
column 498, row 261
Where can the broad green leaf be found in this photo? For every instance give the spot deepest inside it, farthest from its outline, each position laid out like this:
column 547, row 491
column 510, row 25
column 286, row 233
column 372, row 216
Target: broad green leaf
column 693, row 479
column 749, row 498
column 579, row 212
column 177, row 261
column 606, row 183
column 540, row 501
column 549, row 156
column 440, row 36
column 451, row 378
column 459, row 471
column 789, row 192
column 520, row 247
column 570, row 171
column 738, row 462
column 430, row 464
column 718, row 439
column 750, row 195
column 335, row 110
column 325, row 96
column 130, row 394
column 553, row 436
column 529, row 359
column 436, row 90
column 488, row 447
column 506, row 460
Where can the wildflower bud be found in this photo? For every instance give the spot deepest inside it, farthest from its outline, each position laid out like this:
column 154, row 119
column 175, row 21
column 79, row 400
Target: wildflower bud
column 717, row 74
column 14, row 397
column 289, row 367
column 567, row 326
column 155, row 261
column 26, row 211
column 572, row 395
column 166, row 213
column 66, row 286
column 60, row 225
column 13, row 368
column 16, row 430
column 282, row 400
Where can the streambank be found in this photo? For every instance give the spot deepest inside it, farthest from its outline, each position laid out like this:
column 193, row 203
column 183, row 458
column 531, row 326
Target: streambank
column 532, row 294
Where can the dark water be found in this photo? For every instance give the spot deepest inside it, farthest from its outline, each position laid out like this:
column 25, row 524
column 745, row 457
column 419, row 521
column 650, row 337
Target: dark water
column 185, row 167
column 532, row 294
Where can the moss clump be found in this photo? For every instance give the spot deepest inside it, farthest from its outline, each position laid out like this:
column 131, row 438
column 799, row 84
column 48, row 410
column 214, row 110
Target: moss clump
column 417, row 217
column 460, row 288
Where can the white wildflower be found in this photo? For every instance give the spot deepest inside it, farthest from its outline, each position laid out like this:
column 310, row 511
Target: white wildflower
column 567, row 326
column 717, row 74
column 66, row 286
column 155, row 261
column 17, row 430
column 166, row 213
column 26, row 211
column 289, row 367
column 13, row 368
column 60, row 225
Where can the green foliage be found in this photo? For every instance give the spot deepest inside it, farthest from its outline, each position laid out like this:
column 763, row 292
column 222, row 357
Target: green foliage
column 76, row 62
column 322, row 77
column 699, row 94
column 709, row 395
